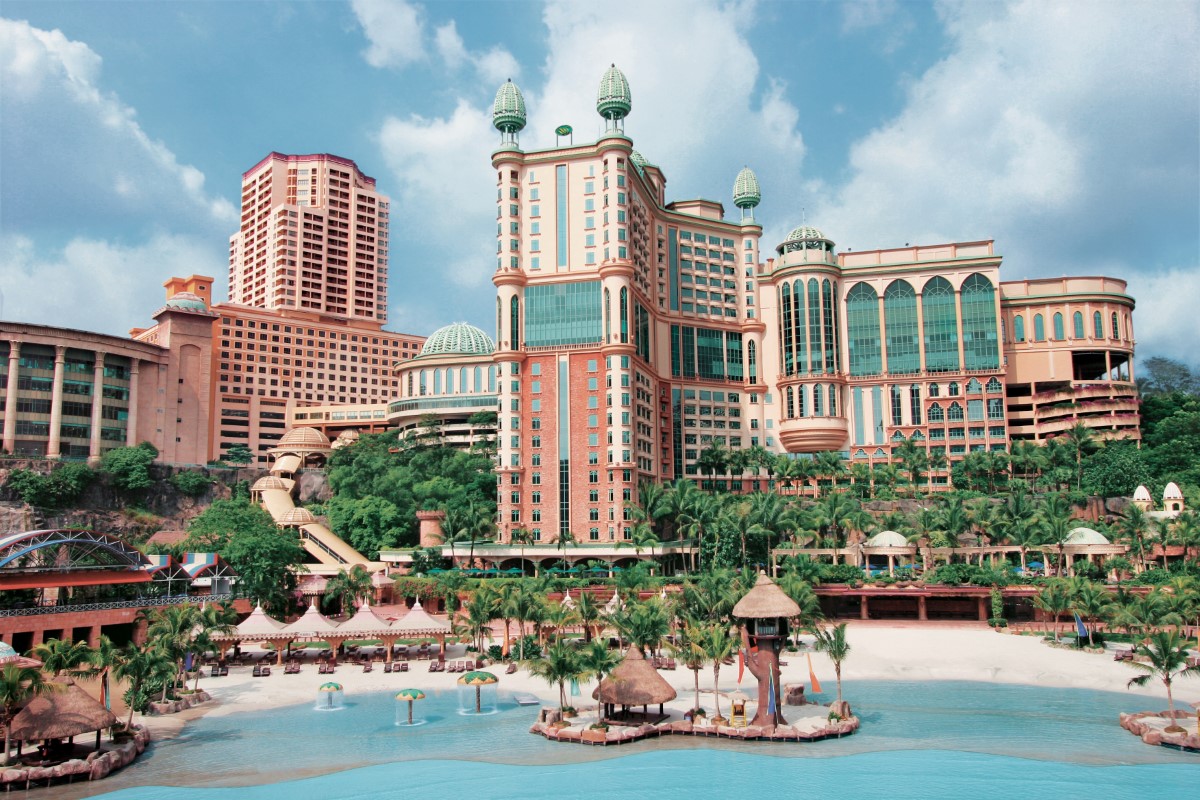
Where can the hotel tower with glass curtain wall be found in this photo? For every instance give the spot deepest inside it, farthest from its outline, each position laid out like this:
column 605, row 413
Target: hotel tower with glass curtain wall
column 632, row 332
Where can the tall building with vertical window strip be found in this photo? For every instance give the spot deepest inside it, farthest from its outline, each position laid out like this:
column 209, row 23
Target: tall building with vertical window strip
column 634, row 332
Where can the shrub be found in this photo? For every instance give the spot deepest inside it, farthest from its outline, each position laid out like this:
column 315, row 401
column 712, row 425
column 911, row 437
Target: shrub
column 191, row 483
column 61, row 487
column 840, row 573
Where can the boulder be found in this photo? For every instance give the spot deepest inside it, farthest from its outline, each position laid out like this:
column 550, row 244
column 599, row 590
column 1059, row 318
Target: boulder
column 793, row 694
column 841, row 708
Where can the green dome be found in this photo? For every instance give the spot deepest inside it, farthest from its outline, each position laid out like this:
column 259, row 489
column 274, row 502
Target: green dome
column 638, row 160
column 508, row 112
column 804, row 233
column 186, row 301
column 805, row 237
column 458, row 338
column 745, row 189
column 613, row 100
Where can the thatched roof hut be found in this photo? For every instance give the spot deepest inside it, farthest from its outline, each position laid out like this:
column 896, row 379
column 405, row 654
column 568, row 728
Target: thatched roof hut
column 635, row 682
column 765, row 601
column 61, row 714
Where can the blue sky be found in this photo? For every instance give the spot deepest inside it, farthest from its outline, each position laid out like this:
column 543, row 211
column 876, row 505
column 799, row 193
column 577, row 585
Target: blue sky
column 1067, row 132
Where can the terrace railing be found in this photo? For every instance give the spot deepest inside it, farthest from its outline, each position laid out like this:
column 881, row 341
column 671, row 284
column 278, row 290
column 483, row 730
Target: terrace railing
column 141, row 602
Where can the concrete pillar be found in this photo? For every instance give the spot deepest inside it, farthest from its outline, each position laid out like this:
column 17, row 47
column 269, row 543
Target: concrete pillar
column 97, row 408
column 132, row 420
column 54, row 448
column 863, row 611
column 10, row 397
column 891, row 565
column 94, row 636
column 922, row 608
column 983, row 609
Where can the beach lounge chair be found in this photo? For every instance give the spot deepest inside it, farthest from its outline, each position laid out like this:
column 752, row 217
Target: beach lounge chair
column 264, row 671
column 511, row 668
column 367, row 666
column 387, row 666
column 256, row 672
column 403, row 667
column 215, row 671
column 224, row 671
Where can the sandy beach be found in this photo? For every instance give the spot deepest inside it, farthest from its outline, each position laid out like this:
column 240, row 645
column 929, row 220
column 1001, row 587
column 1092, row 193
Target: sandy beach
column 879, row 651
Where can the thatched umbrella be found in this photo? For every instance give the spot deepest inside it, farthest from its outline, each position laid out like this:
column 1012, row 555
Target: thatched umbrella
column 766, row 601
column 478, row 679
column 410, row 695
column 62, row 714
column 634, row 682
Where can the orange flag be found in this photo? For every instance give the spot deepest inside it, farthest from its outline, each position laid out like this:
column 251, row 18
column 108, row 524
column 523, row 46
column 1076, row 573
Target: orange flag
column 741, row 665
column 812, row 676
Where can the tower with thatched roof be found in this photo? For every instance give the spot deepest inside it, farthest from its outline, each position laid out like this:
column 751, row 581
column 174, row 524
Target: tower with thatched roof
column 764, row 612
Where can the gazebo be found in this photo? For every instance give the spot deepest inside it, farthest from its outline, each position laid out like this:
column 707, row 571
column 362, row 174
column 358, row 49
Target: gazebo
column 366, row 624
column 634, row 682
column 62, row 713
column 417, row 623
column 315, row 625
column 259, row 627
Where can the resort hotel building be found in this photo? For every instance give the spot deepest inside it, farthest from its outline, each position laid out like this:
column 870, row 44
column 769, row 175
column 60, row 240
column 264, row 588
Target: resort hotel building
column 634, row 331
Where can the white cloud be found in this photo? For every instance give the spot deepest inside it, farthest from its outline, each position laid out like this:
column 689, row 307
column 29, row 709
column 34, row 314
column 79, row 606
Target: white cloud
column 858, row 15
column 395, row 30
column 96, row 285
column 450, row 45
column 70, row 146
column 1164, row 320
column 1044, row 129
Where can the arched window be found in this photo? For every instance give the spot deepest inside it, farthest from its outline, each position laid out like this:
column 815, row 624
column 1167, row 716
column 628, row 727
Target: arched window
column 499, row 326
column 833, row 403
column 607, row 317
column 936, row 414
column 478, row 380
column 830, row 335
column 1077, row 319
column 450, row 381
column 1039, row 328
column 437, row 381
column 935, row 390
column 791, row 403
column 1098, row 325
column 799, row 326
column 817, row 393
column 492, row 378
column 952, row 389
column 752, row 361
column 1059, row 333
column 862, row 324
column 900, row 322
column 514, row 322
column 914, row 401
column 974, row 386
column 785, row 305
column 1116, row 333
column 954, row 413
column 624, row 315
column 1018, row 328
column 981, row 346
column 941, row 326
column 410, row 384
column 897, row 406
column 993, row 386
column 814, row 325
column 462, row 380
column 424, row 381
column 802, row 399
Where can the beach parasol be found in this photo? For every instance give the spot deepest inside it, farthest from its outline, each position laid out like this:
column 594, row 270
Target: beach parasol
column 329, row 687
column 478, row 679
column 410, row 695
column 514, row 571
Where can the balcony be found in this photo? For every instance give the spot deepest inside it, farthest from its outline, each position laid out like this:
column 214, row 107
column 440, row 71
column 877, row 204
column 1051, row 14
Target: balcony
column 813, row 434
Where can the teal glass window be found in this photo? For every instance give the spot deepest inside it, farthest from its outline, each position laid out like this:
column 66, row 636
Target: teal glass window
column 1116, row 332
column 1018, row 328
column 955, row 412
column 1098, row 325
column 791, row 403
column 733, row 356
column 799, row 326
column 563, row 314
column 785, row 305
column 833, row 405
column 709, row 356
column 995, row 409
column 981, row 346
column 514, row 322
column 936, row 413
column 814, row 325
column 862, row 323
column 897, row 408
column 817, row 398
column 1059, row 333
column 914, row 394
column 941, row 326
column 752, row 360
column 561, row 222
column 802, row 398
column 1077, row 324
column 900, row 321
column 607, row 316
column 827, row 323
column 624, row 315
column 1039, row 328
column 975, row 410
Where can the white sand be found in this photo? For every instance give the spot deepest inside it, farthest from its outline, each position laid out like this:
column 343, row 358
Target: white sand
column 879, row 651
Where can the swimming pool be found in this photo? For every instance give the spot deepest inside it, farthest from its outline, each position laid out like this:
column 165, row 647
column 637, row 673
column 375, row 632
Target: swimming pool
column 936, row 739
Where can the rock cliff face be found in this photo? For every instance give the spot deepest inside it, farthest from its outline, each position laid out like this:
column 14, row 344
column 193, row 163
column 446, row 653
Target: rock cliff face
column 161, row 507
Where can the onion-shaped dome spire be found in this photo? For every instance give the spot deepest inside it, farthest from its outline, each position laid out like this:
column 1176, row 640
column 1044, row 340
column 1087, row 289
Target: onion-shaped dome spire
column 746, row 194
column 613, row 101
column 508, row 111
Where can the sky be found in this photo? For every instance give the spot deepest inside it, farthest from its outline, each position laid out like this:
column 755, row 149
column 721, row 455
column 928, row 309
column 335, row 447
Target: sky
column 1068, row 132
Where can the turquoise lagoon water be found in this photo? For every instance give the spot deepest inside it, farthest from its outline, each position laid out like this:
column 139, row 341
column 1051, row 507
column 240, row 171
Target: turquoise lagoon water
column 919, row 740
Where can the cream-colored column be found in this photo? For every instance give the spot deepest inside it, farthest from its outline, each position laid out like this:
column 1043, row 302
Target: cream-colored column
column 97, row 407
column 54, row 449
column 10, row 397
column 132, row 419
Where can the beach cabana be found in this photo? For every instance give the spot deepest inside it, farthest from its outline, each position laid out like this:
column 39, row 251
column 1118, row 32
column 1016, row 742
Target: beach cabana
column 258, row 627
column 634, row 682
column 63, row 713
column 315, row 625
column 764, row 612
column 366, row 624
column 418, row 623
column 10, row 656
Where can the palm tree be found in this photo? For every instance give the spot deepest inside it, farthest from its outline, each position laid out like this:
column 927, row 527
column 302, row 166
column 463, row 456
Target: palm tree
column 141, row 667
column 521, row 537
column 559, row 618
column 1053, row 599
column 561, row 663
column 346, row 588
column 525, row 606
column 1079, row 440
column 482, row 608
column 641, row 537
column 211, row 620
column 830, row 465
column 589, row 613
column 1093, row 603
column 171, row 629
column 718, row 644
column 915, row 459
column 470, row 522
column 65, row 657
column 1134, row 527
column 643, row 624
column 596, row 659
column 105, row 656
column 832, row 641
column 698, row 517
column 1016, row 522
column 712, row 460
column 689, row 648
column 1054, row 522
column 18, row 685
column 835, row 514
column 1167, row 659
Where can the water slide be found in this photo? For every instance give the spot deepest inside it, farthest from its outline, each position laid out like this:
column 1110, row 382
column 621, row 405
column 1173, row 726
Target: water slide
column 323, row 544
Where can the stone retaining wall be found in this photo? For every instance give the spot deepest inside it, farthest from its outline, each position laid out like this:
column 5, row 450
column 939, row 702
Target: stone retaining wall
column 624, row 735
column 175, row 706
column 97, row 765
column 1138, row 724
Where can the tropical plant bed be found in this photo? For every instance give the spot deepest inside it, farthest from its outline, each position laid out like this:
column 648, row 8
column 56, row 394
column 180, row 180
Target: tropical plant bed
column 185, row 701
